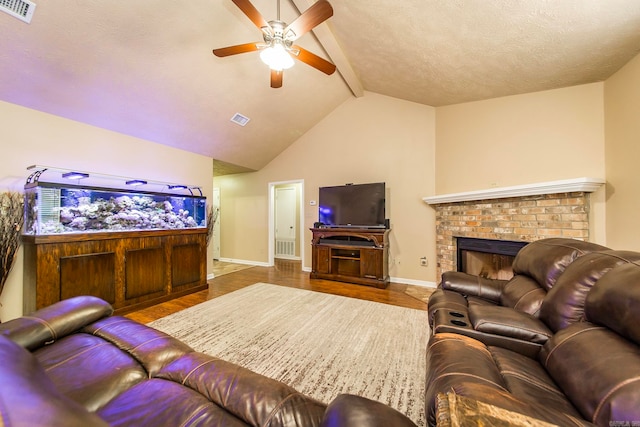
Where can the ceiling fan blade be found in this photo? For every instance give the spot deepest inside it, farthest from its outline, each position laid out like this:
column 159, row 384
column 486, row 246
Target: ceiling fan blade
column 234, row 50
column 315, row 15
column 252, row 13
column 276, row 78
column 314, row 60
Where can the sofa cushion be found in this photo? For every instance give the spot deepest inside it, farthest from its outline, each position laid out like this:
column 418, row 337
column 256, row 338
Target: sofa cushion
column 28, row 397
column 251, row 397
column 526, row 379
column 157, row 402
column 545, row 260
column 564, row 303
column 523, row 293
column 151, row 348
column 56, row 321
column 615, row 301
column 495, row 376
column 598, row 370
column 89, row 370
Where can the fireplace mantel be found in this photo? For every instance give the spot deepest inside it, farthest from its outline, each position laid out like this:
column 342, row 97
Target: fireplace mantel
column 587, row 185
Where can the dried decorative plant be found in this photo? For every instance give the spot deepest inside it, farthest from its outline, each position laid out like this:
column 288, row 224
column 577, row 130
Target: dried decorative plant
column 11, row 218
column 212, row 217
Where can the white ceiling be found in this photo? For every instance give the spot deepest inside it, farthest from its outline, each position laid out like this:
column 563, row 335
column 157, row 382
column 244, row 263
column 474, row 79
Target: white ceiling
column 145, row 68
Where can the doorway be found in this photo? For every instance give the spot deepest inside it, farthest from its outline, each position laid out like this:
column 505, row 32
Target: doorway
column 285, row 220
column 216, row 223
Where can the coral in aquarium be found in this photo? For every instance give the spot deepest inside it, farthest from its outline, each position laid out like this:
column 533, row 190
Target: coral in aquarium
column 120, row 213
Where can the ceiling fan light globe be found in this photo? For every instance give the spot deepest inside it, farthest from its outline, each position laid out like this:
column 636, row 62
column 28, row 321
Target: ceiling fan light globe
column 276, row 57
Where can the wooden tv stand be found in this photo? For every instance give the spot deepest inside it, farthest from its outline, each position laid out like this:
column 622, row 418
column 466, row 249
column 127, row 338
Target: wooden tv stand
column 353, row 255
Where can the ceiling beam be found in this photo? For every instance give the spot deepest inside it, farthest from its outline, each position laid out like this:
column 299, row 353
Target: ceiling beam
column 330, row 44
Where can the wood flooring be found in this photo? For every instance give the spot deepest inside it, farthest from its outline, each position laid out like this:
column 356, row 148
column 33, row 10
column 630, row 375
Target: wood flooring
column 286, row 273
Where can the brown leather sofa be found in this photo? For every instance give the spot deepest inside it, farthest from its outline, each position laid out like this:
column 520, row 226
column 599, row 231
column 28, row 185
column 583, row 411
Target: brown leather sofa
column 74, row 364
column 585, row 372
column 522, row 313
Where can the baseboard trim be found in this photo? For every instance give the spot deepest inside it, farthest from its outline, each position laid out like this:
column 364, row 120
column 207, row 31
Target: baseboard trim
column 245, row 262
column 422, row 283
column 287, row 257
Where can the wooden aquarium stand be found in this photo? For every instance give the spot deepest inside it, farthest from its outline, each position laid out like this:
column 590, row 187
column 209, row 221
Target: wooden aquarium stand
column 130, row 269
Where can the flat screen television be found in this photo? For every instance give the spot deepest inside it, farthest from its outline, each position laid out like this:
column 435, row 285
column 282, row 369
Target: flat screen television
column 358, row 206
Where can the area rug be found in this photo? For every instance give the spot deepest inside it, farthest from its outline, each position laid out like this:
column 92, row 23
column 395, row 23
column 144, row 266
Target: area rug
column 320, row 344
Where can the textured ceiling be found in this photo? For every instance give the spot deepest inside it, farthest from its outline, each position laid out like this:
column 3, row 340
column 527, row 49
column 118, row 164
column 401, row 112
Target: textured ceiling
column 145, row 68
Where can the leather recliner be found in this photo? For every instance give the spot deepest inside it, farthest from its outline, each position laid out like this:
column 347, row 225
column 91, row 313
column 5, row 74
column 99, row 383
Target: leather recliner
column 587, row 373
column 521, row 313
column 74, row 364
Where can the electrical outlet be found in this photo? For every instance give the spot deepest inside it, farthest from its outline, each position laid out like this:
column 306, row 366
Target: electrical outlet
column 423, row 261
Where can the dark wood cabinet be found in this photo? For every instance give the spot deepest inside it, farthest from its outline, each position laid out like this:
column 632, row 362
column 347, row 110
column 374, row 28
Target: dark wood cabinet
column 351, row 255
column 130, row 270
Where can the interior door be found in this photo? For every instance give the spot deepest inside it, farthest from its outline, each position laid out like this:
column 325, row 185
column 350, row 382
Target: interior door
column 285, row 227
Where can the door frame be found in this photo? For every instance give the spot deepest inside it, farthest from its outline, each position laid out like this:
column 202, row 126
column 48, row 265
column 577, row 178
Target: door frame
column 215, row 204
column 271, row 220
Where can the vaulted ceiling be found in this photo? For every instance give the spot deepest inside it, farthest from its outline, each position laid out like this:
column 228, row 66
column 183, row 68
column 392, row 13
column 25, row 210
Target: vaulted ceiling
column 145, row 68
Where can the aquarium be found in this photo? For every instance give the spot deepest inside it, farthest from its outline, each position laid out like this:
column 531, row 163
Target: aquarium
column 58, row 209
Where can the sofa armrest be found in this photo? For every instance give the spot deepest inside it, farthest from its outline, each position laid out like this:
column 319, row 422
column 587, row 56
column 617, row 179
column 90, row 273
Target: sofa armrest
column 56, row 321
column 351, row 410
column 467, row 284
column 444, row 322
column 508, row 322
column 446, row 300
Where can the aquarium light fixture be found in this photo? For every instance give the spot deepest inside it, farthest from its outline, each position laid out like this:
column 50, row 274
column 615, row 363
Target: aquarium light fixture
column 75, row 175
column 39, row 170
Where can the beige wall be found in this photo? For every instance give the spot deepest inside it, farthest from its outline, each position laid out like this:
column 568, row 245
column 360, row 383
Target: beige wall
column 622, row 119
column 522, row 139
column 525, row 139
column 536, row 137
column 31, row 137
column 370, row 139
column 543, row 136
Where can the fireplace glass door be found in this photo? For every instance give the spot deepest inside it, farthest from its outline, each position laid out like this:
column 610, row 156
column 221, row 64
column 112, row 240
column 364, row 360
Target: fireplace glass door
column 491, row 259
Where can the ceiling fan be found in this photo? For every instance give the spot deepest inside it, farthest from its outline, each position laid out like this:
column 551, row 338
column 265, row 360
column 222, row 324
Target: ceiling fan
column 278, row 49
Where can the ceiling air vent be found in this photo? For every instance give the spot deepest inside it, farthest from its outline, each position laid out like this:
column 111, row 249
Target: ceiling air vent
column 238, row 118
column 21, row 9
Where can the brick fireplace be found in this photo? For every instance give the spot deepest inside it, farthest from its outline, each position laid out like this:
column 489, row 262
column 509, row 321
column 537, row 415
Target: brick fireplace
column 511, row 213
